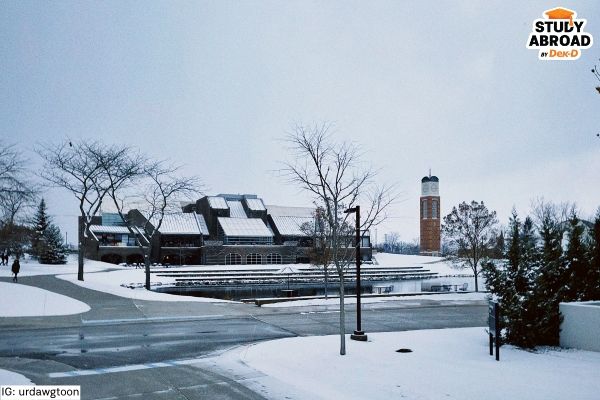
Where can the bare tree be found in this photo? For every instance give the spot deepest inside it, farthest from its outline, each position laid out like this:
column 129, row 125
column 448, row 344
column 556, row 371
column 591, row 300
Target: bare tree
column 158, row 194
column 335, row 176
column 470, row 233
column 544, row 210
column 17, row 194
column 80, row 168
column 16, row 189
column 391, row 242
column 597, row 75
column 12, row 169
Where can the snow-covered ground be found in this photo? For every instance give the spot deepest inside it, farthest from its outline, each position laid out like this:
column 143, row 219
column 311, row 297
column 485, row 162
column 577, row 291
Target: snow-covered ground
column 403, row 260
column 434, row 264
column 352, row 300
column 28, row 301
column 110, row 282
column 12, row 378
column 31, row 267
column 444, row 364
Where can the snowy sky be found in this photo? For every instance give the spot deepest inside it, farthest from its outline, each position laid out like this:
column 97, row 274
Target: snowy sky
column 216, row 84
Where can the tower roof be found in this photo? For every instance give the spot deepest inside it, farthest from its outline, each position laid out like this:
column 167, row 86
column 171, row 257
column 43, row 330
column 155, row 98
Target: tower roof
column 425, row 179
column 433, row 179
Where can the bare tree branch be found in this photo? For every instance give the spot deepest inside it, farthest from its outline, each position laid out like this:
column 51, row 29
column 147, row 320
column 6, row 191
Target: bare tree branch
column 333, row 174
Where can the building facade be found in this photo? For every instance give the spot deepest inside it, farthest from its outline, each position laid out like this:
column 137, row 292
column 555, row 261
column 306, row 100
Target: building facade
column 430, row 239
column 229, row 229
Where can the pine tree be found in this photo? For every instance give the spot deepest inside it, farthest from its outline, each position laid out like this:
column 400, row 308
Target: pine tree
column 510, row 301
column 576, row 260
column 526, row 308
column 53, row 251
column 550, row 290
column 40, row 224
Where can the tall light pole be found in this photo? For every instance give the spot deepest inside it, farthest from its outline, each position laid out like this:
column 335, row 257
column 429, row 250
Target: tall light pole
column 359, row 334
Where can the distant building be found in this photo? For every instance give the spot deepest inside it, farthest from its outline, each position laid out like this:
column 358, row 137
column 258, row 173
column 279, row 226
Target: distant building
column 430, row 216
column 223, row 229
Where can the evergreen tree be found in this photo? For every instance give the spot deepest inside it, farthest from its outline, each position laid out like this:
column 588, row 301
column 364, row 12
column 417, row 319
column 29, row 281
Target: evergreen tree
column 510, row 300
column 576, row 261
column 550, row 290
column 40, row 224
column 53, row 251
column 499, row 246
column 526, row 310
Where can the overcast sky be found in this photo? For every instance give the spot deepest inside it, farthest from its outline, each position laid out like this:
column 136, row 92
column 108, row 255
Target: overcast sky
column 216, row 84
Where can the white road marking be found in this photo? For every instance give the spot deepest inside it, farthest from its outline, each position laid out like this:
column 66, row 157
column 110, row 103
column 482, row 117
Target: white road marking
column 125, row 368
column 161, row 319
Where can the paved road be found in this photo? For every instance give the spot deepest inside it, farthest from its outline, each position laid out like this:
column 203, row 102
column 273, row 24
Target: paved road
column 112, row 350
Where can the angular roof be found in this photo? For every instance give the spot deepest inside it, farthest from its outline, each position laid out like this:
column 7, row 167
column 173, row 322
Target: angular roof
column 182, row 224
column 255, row 204
column 109, row 229
column 291, row 226
column 282, row 211
column 202, row 224
column 236, row 209
column 247, row 227
column 218, row 203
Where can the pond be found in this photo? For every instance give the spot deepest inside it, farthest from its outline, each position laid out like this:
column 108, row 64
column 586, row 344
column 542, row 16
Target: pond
column 247, row 291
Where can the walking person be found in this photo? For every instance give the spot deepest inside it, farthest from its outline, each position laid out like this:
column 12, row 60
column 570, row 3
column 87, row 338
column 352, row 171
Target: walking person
column 16, row 267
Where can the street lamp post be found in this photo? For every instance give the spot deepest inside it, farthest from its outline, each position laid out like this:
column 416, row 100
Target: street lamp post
column 359, row 334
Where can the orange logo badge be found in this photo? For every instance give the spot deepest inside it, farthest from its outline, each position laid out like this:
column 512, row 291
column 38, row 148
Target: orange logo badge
column 559, row 35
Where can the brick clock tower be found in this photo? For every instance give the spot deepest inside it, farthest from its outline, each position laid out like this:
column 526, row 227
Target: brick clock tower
column 430, row 216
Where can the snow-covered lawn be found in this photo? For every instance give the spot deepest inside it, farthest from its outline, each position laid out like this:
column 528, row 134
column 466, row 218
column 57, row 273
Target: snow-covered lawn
column 352, row 300
column 434, row 264
column 28, row 301
column 110, row 282
column 444, row 364
column 403, row 260
column 31, row 267
column 12, row 378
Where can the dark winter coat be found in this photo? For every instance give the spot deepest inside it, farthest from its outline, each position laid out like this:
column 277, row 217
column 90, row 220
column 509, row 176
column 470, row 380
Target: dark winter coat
column 16, row 267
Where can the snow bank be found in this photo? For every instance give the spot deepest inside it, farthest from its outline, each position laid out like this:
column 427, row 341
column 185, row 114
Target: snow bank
column 28, row 301
column 12, row 378
column 448, row 363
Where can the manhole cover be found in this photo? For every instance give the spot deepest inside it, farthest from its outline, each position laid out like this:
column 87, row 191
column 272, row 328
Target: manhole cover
column 404, row 351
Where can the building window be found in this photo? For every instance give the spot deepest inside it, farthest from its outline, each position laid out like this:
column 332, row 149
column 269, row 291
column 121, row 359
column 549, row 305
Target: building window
column 274, row 258
column 253, row 259
column 243, row 240
column 365, row 242
column 233, row 259
column 424, row 209
column 434, row 209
